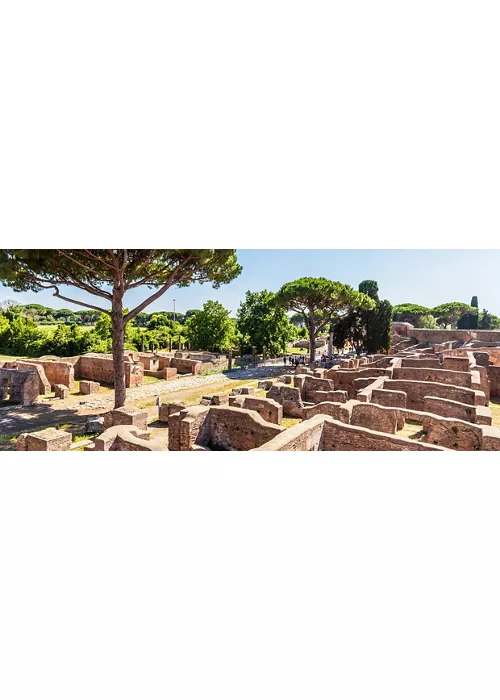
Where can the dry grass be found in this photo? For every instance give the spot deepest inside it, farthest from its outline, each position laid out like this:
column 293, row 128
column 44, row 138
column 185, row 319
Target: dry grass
column 494, row 407
column 411, row 430
column 290, row 422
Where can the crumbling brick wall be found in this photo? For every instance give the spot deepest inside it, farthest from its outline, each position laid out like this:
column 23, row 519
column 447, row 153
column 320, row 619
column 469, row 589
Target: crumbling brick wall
column 99, row 368
column 450, row 409
column 417, row 391
column 494, row 378
column 268, row 409
column 429, row 374
column 59, row 372
column 43, row 383
column 379, row 418
column 219, row 428
column 343, row 379
column 289, row 397
column 19, row 386
column 322, row 433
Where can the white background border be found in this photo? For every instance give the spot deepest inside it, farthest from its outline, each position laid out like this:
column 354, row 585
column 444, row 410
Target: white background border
column 266, row 125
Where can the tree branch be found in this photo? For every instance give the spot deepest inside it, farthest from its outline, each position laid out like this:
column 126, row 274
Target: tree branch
column 96, row 257
column 77, row 262
column 143, row 265
column 80, row 303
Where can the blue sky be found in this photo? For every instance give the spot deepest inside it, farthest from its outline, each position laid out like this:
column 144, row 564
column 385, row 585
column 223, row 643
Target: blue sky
column 427, row 277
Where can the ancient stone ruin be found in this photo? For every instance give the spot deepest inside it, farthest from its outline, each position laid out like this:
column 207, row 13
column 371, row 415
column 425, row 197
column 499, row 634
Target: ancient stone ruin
column 430, row 393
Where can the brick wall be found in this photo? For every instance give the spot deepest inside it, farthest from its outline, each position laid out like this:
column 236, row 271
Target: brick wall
column 99, row 368
column 59, row 372
column 494, row 377
column 417, row 391
column 271, row 411
column 443, row 376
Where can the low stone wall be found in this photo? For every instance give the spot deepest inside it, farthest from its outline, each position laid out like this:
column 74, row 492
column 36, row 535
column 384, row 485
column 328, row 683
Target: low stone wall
column 379, row 418
column 459, row 364
column 428, row 335
column 59, row 372
column 338, row 437
column 185, row 426
column 43, row 383
column 124, row 438
column 268, row 409
column 422, row 362
column 452, row 433
column 386, row 397
column 303, row 437
column 310, row 386
column 365, row 394
column 417, row 391
column 450, row 409
column 99, row 368
column 429, row 374
column 186, row 366
column 289, row 397
column 343, row 378
column 219, row 428
column 322, row 433
column 19, row 386
column 168, row 409
column 333, row 409
column 494, row 378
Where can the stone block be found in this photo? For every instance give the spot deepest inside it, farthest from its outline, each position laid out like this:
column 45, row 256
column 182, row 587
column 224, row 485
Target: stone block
column 265, row 384
column 128, row 416
column 89, row 387
column 95, row 424
column 61, row 391
column 48, row 440
column 483, row 415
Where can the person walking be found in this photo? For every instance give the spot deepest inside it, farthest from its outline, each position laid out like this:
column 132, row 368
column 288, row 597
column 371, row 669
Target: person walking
column 158, row 404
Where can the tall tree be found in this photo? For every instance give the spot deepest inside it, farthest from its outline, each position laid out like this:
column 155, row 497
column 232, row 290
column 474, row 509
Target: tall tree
column 211, row 328
column 410, row 313
column 318, row 301
column 108, row 274
column 263, row 324
column 450, row 313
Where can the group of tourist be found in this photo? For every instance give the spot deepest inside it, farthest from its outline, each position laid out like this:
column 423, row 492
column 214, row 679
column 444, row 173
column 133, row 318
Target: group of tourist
column 294, row 360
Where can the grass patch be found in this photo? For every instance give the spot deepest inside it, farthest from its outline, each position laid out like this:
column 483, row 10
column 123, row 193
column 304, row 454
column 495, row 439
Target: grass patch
column 494, row 407
column 290, row 422
column 150, row 380
column 412, row 430
column 78, row 437
column 296, row 351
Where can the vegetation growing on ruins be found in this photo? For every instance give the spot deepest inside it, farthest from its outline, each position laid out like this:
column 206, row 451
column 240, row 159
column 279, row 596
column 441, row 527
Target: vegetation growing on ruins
column 109, row 274
column 319, row 301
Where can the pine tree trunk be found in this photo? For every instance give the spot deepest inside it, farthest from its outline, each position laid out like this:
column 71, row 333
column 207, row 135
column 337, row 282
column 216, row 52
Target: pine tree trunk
column 312, row 338
column 118, row 349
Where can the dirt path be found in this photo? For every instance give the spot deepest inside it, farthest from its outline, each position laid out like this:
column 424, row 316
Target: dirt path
column 72, row 413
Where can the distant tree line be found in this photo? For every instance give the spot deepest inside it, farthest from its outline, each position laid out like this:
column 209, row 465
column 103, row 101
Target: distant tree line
column 453, row 314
